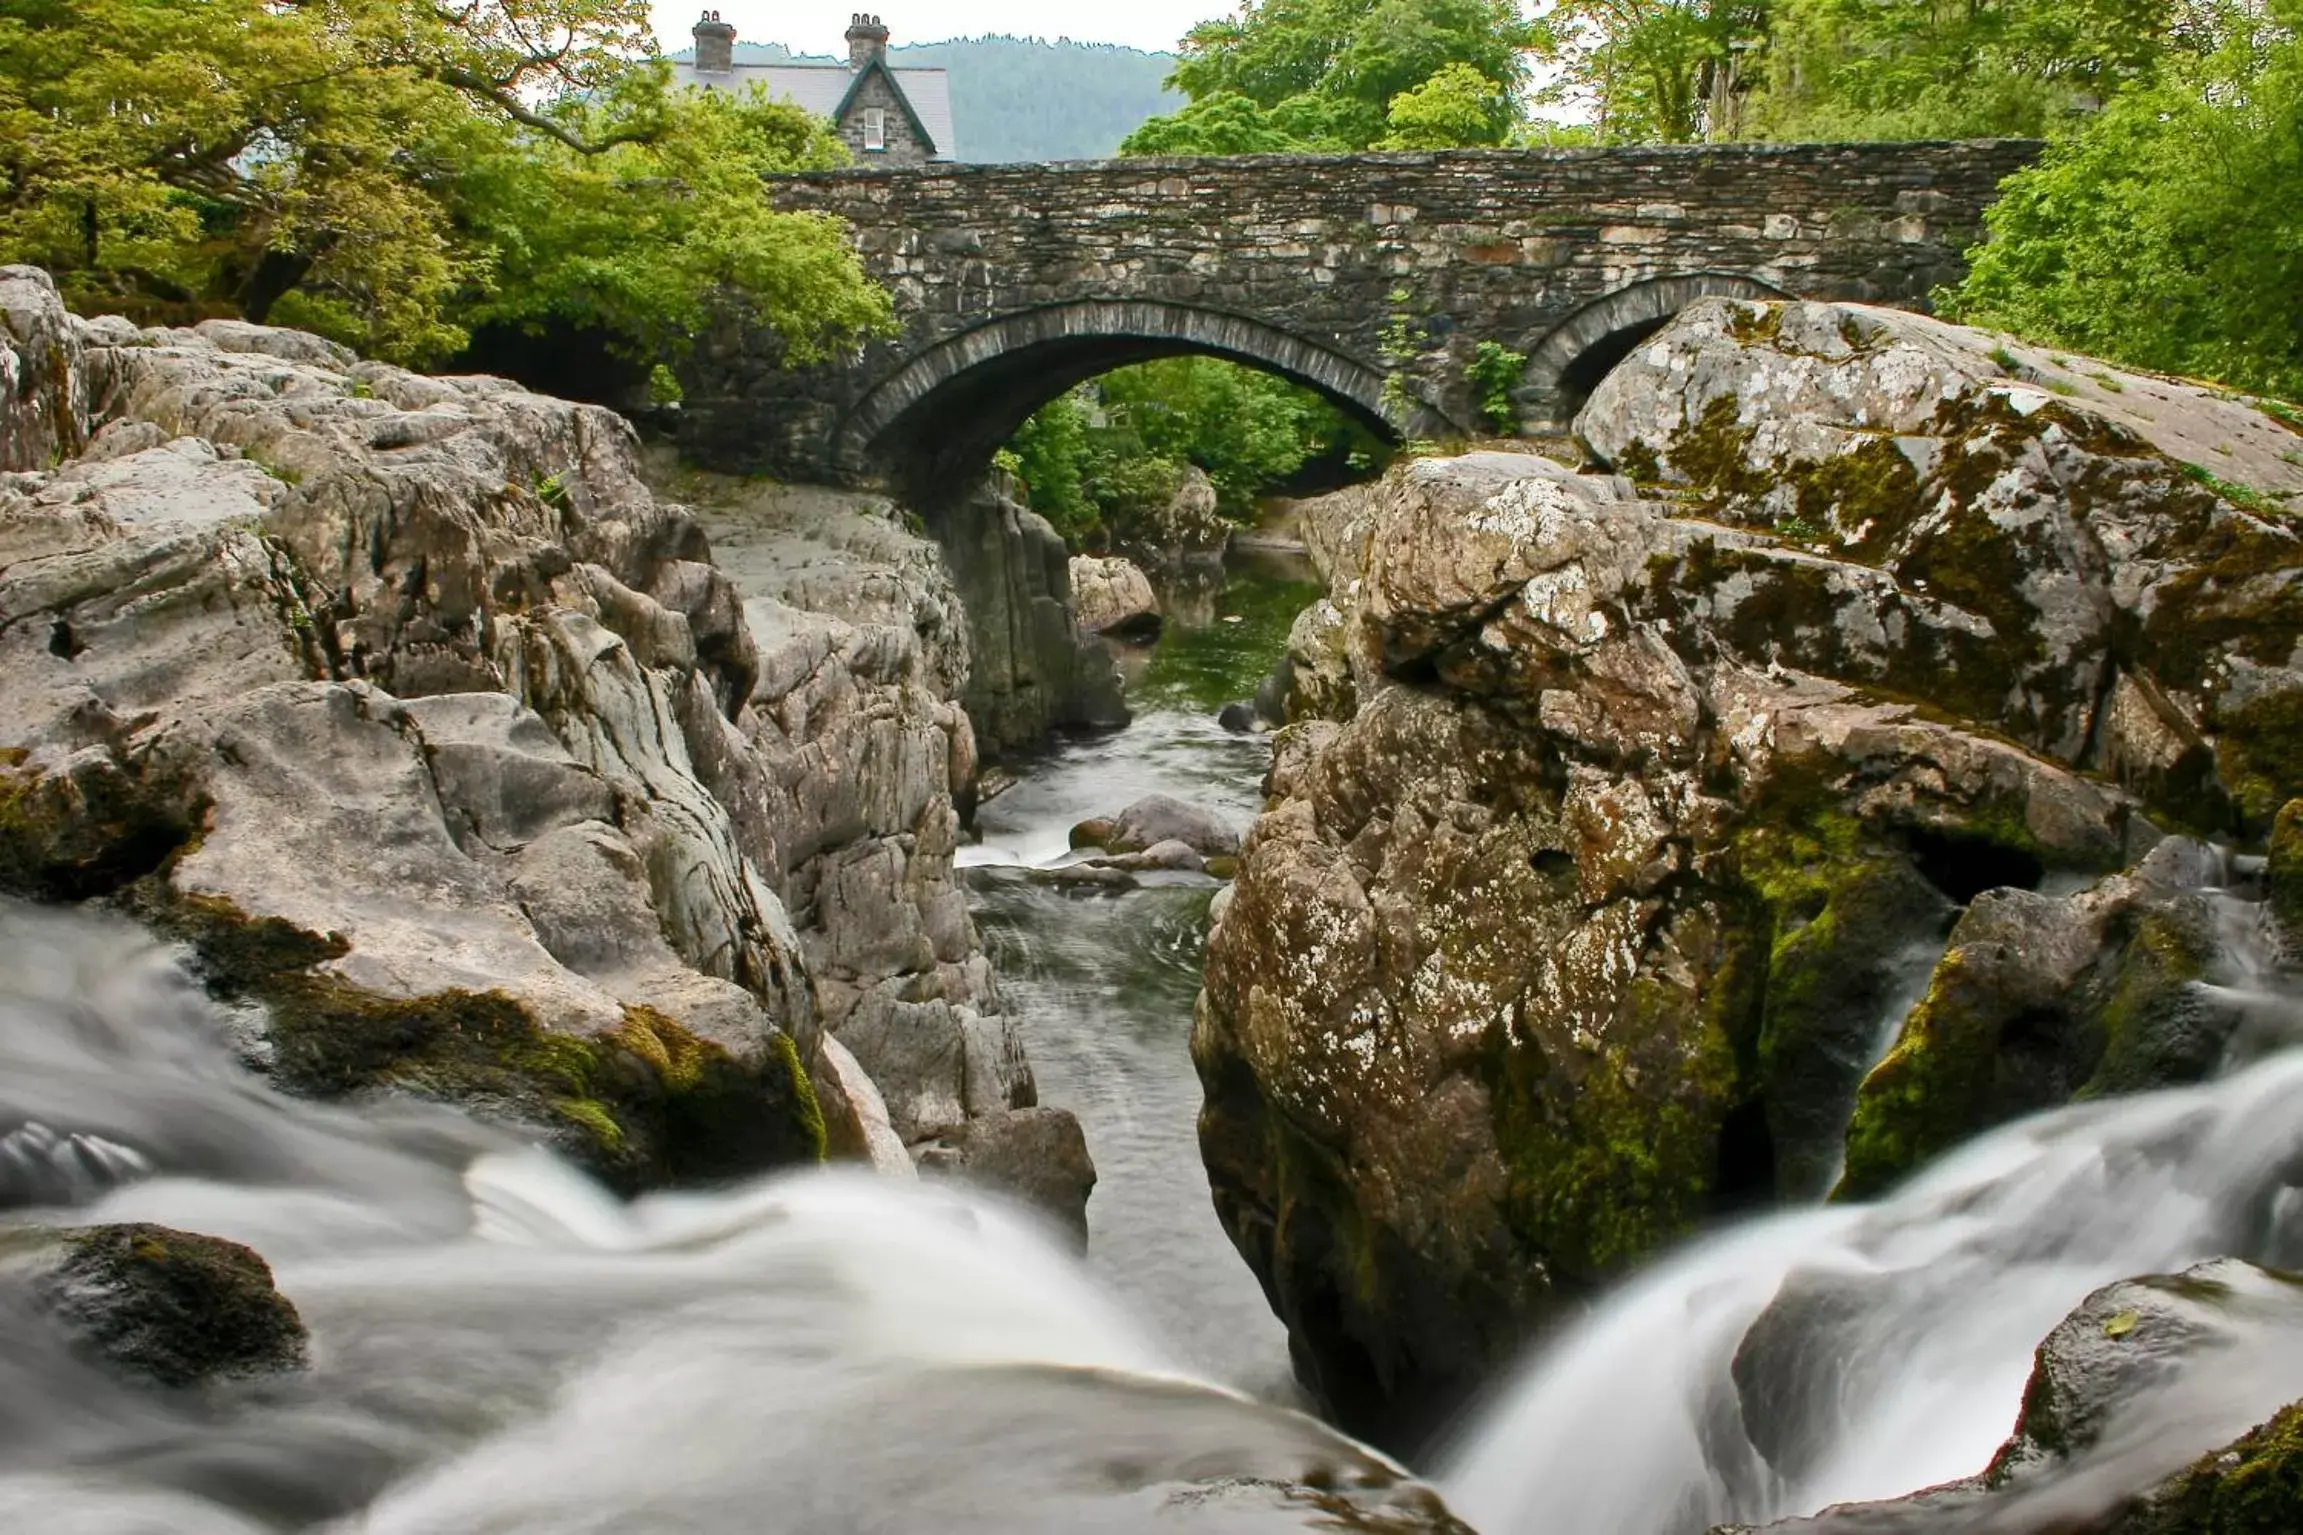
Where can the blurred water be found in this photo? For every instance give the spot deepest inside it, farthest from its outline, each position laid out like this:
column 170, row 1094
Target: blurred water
column 498, row 1345
column 1104, row 983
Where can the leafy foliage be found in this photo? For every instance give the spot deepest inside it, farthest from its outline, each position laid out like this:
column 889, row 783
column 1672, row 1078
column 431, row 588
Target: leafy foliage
column 388, row 173
column 2168, row 231
column 1495, row 371
column 1331, row 74
column 1665, row 70
column 1101, row 459
column 1848, row 69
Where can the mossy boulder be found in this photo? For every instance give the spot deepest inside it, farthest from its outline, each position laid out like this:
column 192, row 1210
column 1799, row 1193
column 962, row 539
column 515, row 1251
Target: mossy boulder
column 2252, row 1486
column 166, row 1306
column 642, row 1103
column 1583, row 928
column 2041, row 1000
column 2125, row 609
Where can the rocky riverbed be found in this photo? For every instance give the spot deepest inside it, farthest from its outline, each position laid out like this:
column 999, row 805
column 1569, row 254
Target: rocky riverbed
column 1772, row 916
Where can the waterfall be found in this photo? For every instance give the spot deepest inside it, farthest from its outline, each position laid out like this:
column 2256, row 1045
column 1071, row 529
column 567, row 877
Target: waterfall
column 1853, row 1353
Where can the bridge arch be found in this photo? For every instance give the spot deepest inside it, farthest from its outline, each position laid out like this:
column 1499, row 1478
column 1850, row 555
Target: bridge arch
column 937, row 419
column 1571, row 359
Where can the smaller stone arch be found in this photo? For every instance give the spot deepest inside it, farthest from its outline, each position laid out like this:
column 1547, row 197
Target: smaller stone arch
column 1571, row 359
column 942, row 412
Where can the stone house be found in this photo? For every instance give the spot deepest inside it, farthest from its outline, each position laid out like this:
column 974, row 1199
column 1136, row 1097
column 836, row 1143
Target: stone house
column 887, row 116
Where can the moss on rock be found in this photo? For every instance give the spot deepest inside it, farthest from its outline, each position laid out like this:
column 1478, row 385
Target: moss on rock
column 171, row 1306
column 2252, row 1487
column 646, row 1102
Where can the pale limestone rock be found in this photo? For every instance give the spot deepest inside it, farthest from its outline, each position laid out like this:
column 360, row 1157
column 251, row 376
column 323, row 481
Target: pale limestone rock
column 1112, row 596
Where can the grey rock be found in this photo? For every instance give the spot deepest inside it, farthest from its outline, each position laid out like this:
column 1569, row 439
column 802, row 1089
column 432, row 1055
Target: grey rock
column 170, row 1307
column 1036, row 1155
column 1111, row 596
column 1159, row 818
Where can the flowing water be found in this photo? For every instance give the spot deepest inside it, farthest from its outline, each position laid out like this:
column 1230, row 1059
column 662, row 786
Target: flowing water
column 500, row 1348
column 1104, row 983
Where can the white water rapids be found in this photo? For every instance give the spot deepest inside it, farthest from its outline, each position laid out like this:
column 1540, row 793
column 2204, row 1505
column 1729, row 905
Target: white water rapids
column 501, row 1346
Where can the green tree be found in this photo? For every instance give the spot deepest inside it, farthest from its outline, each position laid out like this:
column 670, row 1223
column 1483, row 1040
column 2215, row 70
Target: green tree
column 1848, row 69
column 2168, row 231
column 1458, row 106
column 1099, row 458
column 1327, row 72
column 1645, row 70
column 386, row 171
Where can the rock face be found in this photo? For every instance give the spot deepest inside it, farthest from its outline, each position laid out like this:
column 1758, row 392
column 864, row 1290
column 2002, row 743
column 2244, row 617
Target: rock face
column 1032, row 670
column 166, row 1306
column 1620, row 828
column 1111, row 596
column 407, row 703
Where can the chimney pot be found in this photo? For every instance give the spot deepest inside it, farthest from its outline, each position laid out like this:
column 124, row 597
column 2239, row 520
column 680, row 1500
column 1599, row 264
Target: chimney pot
column 867, row 41
column 715, row 46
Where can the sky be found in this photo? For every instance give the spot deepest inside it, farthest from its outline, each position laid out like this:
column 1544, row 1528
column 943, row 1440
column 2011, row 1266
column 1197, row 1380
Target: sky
column 817, row 26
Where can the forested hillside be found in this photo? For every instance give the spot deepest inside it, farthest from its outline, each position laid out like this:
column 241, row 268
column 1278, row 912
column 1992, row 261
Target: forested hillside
column 1023, row 98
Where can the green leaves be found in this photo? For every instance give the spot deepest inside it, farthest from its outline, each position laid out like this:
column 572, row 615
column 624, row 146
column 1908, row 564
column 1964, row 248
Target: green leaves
column 1313, row 75
column 2167, row 232
column 1099, row 459
column 391, row 173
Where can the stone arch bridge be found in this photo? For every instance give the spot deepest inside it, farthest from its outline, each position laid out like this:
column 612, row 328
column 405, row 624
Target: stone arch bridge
column 1014, row 282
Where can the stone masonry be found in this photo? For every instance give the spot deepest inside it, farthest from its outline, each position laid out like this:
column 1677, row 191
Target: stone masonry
column 1012, row 282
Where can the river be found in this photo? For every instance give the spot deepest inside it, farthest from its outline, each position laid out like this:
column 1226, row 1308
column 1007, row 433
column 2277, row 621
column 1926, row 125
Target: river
column 1104, row 983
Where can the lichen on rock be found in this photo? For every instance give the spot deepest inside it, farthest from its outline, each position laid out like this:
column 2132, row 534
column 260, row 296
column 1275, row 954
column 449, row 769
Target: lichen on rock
column 1649, row 807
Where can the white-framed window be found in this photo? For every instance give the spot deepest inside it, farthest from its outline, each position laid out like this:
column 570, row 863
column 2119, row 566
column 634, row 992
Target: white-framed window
column 875, row 128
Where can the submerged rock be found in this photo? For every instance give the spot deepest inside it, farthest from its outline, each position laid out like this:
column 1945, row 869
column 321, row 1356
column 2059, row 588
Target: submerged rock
column 166, row 1306
column 1648, row 814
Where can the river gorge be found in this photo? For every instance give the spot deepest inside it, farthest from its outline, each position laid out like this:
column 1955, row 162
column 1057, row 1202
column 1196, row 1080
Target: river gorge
column 1746, row 980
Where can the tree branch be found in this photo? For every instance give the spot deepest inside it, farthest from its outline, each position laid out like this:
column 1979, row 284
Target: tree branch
column 508, row 104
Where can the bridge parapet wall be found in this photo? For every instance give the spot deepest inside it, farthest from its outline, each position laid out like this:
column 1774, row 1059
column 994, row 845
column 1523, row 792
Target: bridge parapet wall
column 1551, row 253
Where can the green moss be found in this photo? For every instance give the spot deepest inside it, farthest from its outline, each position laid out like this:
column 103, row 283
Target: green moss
column 1923, row 1098
column 2260, row 754
column 71, row 838
column 1638, row 463
column 1868, row 496
column 643, row 1103
column 1712, row 453
column 2241, row 496
column 2252, row 1487
column 2145, row 1041
column 1614, row 1154
column 2283, row 873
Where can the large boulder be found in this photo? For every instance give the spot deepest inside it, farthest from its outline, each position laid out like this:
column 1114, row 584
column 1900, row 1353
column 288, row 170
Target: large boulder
column 170, row 1307
column 1112, row 596
column 1032, row 669
column 2122, row 540
column 1157, row 819
column 1650, row 818
column 1039, row 1156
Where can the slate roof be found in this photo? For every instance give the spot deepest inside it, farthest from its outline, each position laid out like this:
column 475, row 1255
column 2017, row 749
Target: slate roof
column 823, row 89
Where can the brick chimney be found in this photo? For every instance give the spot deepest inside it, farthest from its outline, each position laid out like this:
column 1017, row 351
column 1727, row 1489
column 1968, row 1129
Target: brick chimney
column 715, row 46
column 867, row 41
